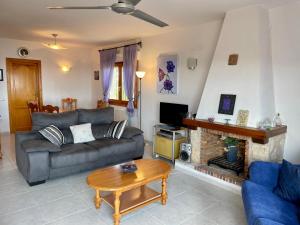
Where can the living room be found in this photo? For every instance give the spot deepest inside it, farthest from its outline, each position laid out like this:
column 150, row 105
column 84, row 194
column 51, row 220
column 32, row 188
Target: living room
column 248, row 49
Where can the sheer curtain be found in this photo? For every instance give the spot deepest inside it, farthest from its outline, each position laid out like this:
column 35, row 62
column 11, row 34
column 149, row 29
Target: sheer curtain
column 107, row 63
column 129, row 68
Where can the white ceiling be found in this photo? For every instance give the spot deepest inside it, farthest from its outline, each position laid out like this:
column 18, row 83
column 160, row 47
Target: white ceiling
column 31, row 20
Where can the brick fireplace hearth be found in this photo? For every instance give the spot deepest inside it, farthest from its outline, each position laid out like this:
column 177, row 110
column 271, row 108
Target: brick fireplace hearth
column 255, row 145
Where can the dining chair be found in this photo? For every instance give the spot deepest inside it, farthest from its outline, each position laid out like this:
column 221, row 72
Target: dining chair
column 50, row 109
column 102, row 104
column 68, row 104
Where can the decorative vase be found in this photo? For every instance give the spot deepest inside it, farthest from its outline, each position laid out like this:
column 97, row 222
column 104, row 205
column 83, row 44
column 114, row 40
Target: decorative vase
column 232, row 153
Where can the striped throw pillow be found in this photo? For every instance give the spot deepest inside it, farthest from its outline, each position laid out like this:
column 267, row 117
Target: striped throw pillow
column 116, row 129
column 53, row 134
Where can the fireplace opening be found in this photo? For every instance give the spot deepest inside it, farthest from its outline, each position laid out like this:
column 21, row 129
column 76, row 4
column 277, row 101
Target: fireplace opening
column 233, row 158
column 217, row 160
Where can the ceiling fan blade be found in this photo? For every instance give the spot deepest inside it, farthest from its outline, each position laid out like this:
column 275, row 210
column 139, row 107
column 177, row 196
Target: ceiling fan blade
column 79, row 7
column 133, row 2
column 146, row 17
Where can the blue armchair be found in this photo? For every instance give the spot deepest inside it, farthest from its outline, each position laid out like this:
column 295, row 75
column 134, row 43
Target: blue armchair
column 262, row 206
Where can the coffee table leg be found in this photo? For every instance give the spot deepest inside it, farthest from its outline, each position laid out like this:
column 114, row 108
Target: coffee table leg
column 97, row 199
column 117, row 215
column 164, row 191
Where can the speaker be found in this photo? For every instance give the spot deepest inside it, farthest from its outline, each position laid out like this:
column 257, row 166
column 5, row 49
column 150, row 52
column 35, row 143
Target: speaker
column 185, row 152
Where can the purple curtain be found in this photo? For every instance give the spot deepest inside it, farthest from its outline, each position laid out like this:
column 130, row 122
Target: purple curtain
column 107, row 63
column 129, row 68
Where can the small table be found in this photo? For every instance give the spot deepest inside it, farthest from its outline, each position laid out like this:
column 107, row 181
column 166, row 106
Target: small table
column 129, row 190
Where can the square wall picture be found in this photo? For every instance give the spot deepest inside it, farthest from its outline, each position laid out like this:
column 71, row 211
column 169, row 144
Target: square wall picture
column 226, row 105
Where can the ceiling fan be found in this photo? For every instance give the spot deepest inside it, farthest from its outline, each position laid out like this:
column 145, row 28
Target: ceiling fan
column 126, row 7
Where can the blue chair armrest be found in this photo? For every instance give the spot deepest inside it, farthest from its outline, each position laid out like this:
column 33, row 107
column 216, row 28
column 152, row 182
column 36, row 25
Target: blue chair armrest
column 264, row 173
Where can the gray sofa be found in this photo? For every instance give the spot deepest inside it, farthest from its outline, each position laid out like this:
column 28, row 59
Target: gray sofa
column 39, row 160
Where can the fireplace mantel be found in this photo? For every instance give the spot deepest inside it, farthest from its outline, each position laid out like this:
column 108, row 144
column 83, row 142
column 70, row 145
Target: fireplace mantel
column 258, row 135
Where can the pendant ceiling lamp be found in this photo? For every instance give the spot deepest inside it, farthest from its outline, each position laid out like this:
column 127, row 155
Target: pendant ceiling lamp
column 54, row 45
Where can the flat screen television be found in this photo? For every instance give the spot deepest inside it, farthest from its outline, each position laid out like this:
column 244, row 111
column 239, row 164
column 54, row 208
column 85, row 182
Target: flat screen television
column 172, row 114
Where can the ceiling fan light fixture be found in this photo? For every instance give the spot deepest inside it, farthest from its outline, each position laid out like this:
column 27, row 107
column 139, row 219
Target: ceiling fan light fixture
column 123, row 8
column 54, row 45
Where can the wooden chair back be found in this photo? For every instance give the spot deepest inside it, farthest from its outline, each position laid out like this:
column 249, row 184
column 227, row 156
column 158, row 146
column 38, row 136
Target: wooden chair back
column 68, row 104
column 33, row 107
column 50, row 109
column 102, row 104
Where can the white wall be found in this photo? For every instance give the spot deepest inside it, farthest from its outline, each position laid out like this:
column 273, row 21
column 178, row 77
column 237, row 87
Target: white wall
column 285, row 34
column 198, row 42
column 56, row 85
column 245, row 32
column 120, row 113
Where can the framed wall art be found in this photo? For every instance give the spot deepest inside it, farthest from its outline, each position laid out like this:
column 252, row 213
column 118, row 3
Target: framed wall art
column 1, row 75
column 96, row 75
column 242, row 118
column 226, row 104
column 167, row 74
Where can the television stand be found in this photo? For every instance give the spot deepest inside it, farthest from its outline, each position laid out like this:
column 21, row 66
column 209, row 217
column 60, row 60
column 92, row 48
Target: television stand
column 168, row 127
column 167, row 140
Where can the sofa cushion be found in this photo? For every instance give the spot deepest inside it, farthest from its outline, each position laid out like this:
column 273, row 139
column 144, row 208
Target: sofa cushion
column 116, row 129
column 41, row 120
column 96, row 116
column 115, row 149
column 73, row 154
column 68, row 135
column 82, row 133
column 39, row 146
column 100, row 130
column 130, row 132
column 288, row 186
column 103, row 149
column 53, row 134
column 260, row 202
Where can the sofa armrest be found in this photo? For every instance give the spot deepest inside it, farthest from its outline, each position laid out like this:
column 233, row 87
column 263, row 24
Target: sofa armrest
column 130, row 132
column 264, row 173
column 34, row 166
column 140, row 145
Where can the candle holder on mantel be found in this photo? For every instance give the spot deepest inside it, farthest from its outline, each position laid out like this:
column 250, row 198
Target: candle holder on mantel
column 227, row 121
column 211, row 119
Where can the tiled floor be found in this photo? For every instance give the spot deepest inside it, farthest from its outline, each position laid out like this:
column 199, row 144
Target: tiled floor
column 68, row 201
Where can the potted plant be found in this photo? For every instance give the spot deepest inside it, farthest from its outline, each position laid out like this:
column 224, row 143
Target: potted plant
column 232, row 148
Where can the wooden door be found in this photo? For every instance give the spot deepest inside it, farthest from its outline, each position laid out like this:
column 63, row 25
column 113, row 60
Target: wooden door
column 24, row 84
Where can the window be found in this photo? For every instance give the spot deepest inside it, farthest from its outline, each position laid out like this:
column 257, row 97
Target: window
column 117, row 94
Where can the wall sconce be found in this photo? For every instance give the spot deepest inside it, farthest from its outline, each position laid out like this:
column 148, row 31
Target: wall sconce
column 191, row 63
column 65, row 68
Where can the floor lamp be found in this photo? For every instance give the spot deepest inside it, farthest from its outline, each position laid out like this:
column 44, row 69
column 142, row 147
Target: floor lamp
column 140, row 75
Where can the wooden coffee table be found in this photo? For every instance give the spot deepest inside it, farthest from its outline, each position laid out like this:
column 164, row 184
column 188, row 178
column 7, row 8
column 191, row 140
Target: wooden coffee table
column 129, row 190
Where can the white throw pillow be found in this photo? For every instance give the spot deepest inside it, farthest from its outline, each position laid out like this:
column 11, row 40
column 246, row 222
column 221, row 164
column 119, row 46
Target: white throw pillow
column 82, row 133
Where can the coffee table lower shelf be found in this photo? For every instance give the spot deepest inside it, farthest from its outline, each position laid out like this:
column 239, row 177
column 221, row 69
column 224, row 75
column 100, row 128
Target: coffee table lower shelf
column 133, row 199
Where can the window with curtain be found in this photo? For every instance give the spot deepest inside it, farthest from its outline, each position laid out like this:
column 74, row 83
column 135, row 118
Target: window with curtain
column 117, row 94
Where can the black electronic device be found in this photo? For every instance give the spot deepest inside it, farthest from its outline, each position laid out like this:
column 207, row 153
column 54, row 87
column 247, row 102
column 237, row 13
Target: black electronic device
column 172, row 114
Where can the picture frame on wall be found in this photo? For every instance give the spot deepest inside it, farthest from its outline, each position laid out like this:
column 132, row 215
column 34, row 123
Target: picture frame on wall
column 96, row 75
column 242, row 118
column 1, row 75
column 167, row 82
column 226, row 104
